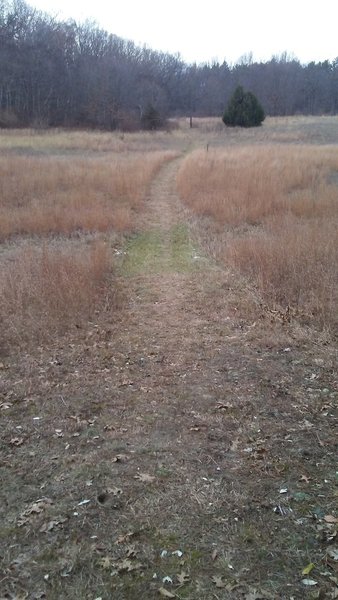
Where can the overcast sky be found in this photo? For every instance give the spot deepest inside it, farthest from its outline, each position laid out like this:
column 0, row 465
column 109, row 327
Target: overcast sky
column 218, row 29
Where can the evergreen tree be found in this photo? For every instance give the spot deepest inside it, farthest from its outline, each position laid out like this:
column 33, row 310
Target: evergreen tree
column 243, row 110
column 151, row 118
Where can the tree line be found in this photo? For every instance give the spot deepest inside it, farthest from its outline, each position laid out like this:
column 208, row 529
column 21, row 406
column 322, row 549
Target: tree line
column 61, row 73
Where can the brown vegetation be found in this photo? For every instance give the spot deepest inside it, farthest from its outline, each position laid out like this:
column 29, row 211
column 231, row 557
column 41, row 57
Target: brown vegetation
column 278, row 205
column 176, row 447
column 61, row 184
column 55, row 195
column 44, row 291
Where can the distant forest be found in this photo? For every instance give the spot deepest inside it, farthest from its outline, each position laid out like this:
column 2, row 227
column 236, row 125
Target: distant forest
column 61, row 73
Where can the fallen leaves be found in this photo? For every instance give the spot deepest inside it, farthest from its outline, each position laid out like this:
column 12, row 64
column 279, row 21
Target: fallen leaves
column 183, row 578
column 307, row 570
column 125, row 538
column 131, row 552
column 105, row 562
column 224, row 406
column 36, row 508
column 47, row 527
column 165, row 593
column 330, row 519
column 123, row 565
column 126, row 565
column 218, row 581
column 333, row 553
column 119, row 458
column 309, row 582
column 5, row 405
column 83, row 502
column 16, row 441
column 145, row 477
column 214, row 554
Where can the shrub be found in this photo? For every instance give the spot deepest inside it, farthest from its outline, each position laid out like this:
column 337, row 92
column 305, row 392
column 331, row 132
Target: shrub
column 243, row 110
column 151, row 118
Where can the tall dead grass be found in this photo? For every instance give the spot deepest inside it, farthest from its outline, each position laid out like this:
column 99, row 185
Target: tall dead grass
column 44, row 291
column 61, row 183
column 279, row 207
column 59, row 141
column 248, row 184
column 56, row 195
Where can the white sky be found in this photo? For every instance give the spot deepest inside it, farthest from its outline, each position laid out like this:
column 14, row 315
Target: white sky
column 215, row 29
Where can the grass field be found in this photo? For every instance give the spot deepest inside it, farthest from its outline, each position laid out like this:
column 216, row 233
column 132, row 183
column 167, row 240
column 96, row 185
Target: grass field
column 279, row 206
column 168, row 389
column 67, row 197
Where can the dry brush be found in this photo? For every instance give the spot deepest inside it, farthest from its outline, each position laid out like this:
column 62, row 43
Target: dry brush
column 278, row 206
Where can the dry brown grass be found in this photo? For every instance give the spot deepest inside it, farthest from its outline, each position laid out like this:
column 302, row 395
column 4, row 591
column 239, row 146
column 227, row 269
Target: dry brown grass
column 58, row 141
column 247, row 184
column 44, row 291
column 279, row 207
column 59, row 183
column 55, row 195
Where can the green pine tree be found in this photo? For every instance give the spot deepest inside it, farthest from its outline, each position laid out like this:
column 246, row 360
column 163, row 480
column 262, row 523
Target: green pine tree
column 151, row 118
column 243, row 110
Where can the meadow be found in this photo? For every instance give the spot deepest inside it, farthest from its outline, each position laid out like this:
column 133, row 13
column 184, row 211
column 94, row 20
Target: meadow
column 168, row 394
column 65, row 201
column 277, row 208
column 265, row 201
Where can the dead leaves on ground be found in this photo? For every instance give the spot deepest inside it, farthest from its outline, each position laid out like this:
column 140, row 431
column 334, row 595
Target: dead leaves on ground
column 16, row 441
column 330, row 519
column 165, row 593
column 122, row 539
column 127, row 565
column 145, row 477
column 183, row 578
column 38, row 508
column 122, row 565
column 119, row 458
column 218, row 581
column 34, row 509
column 333, row 553
column 47, row 527
column 307, row 570
column 105, row 562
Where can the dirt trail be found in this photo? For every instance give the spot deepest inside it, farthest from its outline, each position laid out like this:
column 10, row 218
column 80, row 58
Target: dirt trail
column 167, row 428
column 168, row 316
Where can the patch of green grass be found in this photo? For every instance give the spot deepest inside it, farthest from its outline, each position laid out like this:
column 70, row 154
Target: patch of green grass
column 194, row 558
column 160, row 251
column 144, row 253
column 163, row 472
column 183, row 253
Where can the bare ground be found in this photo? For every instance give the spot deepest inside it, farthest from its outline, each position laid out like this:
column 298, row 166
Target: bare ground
column 173, row 439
